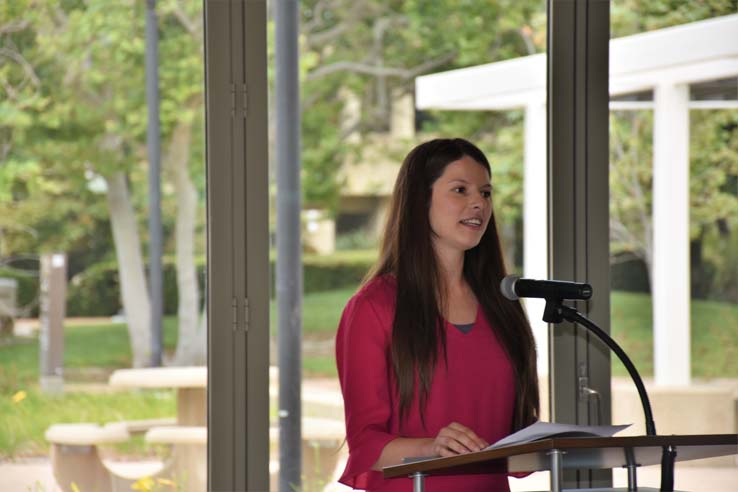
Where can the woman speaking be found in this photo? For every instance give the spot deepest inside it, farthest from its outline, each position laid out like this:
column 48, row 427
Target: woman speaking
column 432, row 360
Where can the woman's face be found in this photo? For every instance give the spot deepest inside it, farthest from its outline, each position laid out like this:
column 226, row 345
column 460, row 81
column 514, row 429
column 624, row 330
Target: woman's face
column 461, row 206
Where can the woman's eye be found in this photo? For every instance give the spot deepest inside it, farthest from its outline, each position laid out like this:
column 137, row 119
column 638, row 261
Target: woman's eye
column 459, row 189
column 486, row 194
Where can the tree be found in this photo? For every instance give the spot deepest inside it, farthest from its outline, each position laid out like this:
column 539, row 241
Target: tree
column 89, row 57
column 373, row 51
column 630, row 186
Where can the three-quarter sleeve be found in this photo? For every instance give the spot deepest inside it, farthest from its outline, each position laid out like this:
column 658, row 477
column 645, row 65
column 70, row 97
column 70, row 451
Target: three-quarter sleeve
column 362, row 343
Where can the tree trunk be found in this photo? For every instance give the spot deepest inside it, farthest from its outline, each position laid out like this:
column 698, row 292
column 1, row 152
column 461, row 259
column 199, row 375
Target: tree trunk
column 133, row 286
column 191, row 349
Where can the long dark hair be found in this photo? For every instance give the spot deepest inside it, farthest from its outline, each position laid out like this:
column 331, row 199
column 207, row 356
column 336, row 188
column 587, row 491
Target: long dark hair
column 418, row 334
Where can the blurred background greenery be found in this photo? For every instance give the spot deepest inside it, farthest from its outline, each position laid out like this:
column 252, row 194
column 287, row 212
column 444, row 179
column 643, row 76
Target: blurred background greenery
column 72, row 132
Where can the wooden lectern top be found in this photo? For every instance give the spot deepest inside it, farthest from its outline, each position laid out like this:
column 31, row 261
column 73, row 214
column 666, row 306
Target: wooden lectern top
column 577, row 453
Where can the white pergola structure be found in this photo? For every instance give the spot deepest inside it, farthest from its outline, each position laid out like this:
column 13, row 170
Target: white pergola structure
column 665, row 62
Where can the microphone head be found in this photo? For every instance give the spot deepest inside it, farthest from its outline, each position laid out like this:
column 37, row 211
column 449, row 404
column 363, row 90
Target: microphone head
column 507, row 287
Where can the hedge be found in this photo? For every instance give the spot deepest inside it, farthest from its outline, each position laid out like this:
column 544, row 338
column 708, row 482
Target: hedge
column 27, row 293
column 96, row 291
column 341, row 269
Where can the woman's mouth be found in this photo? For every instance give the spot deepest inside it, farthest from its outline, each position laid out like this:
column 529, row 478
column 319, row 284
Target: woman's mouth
column 474, row 223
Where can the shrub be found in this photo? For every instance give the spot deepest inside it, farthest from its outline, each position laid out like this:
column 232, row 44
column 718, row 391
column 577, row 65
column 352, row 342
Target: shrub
column 27, row 293
column 96, row 290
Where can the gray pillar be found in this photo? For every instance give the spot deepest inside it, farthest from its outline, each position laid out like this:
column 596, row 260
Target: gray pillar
column 289, row 253
column 53, row 311
column 238, row 245
column 578, row 44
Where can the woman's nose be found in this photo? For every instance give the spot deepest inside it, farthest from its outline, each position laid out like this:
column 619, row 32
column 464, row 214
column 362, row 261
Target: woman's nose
column 477, row 201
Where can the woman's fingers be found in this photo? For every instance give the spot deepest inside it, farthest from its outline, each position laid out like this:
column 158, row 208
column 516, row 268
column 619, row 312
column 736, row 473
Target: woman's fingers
column 469, row 436
column 458, row 439
column 452, row 445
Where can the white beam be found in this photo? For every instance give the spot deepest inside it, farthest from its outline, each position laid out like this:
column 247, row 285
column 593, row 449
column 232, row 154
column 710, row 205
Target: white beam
column 535, row 232
column 680, row 45
column 670, row 272
column 694, row 72
column 458, row 89
column 688, row 53
column 641, row 105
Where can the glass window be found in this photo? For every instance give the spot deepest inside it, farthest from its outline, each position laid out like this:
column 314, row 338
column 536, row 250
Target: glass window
column 75, row 244
column 674, row 215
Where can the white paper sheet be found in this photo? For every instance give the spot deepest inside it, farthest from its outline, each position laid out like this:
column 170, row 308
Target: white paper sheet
column 544, row 430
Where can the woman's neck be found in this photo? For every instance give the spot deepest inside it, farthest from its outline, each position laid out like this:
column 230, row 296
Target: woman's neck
column 451, row 268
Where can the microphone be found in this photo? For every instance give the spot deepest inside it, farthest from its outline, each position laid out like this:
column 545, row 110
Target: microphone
column 554, row 291
column 514, row 287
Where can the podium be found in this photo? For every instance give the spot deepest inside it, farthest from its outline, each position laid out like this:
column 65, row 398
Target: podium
column 556, row 454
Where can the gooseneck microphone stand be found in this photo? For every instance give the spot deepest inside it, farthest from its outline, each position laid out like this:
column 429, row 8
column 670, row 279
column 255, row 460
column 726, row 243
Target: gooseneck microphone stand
column 556, row 312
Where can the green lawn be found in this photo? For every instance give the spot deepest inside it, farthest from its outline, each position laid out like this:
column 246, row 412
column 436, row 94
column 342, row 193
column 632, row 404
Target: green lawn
column 23, row 423
column 92, row 352
column 321, row 312
column 714, row 337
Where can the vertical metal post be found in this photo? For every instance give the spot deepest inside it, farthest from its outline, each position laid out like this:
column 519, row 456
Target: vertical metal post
column 632, row 469
column 289, row 255
column 53, row 309
column 152, row 145
column 556, row 470
column 578, row 191
column 632, row 478
column 237, row 245
column 418, row 481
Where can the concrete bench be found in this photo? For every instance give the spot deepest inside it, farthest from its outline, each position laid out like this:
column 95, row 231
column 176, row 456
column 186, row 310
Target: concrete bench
column 187, row 464
column 143, row 426
column 177, row 434
column 75, row 457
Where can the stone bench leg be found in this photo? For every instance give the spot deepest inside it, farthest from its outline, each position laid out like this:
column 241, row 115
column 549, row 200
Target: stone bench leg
column 81, row 466
column 189, row 467
column 319, row 460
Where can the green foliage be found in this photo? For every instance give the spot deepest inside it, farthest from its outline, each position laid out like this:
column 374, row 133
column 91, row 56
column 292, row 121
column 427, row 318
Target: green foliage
column 374, row 50
column 636, row 16
column 631, row 182
column 713, row 195
column 75, row 111
column 714, row 170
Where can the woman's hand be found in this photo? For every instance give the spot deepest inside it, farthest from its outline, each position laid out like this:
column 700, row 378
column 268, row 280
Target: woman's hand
column 456, row 439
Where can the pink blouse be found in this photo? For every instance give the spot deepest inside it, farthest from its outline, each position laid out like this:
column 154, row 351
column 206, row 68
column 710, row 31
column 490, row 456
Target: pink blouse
column 477, row 390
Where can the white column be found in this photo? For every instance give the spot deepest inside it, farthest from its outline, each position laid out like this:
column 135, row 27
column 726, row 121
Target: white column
column 670, row 283
column 535, row 235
